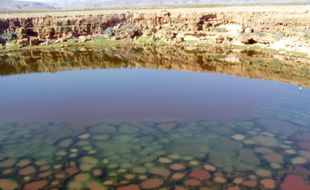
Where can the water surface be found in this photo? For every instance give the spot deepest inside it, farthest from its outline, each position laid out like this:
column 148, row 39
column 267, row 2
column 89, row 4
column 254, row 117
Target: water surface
column 149, row 118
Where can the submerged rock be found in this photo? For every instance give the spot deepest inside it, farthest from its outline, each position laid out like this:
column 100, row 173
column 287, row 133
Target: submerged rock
column 160, row 171
column 238, row 137
column 129, row 187
column 6, row 184
column 152, row 183
column 200, row 174
column 292, row 182
column 298, row 160
column 192, row 182
column 35, row 185
column 268, row 183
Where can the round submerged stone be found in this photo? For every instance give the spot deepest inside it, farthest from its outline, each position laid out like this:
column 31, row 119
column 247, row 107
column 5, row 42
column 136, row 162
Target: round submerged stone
column 75, row 185
column 6, row 184
column 164, row 160
column 177, row 176
column 23, row 163
column 268, row 183
column 82, row 177
column 238, row 137
column 35, row 185
column 27, row 171
column 290, row 151
column 219, row 179
column 96, row 186
column 238, row 180
column 200, row 174
column 194, row 163
column 292, row 182
column 263, row 173
column 84, row 136
column 177, row 167
column 192, row 182
column 129, row 176
column 7, row 163
column 108, row 182
column 160, row 171
column 174, row 156
column 139, row 170
column 129, row 187
column 209, row 167
column 152, row 183
column 249, row 183
column 298, row 160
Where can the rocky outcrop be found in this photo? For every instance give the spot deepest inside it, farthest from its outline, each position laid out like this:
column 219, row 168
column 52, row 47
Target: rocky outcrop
column 237, row 28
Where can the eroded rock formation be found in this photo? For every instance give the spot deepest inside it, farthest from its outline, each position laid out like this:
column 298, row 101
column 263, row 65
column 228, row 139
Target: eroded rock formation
column 244, row 27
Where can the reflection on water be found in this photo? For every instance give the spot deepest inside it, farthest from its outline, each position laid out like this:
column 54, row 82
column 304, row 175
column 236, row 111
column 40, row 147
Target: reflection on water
column 131, row 129
column 247, row 64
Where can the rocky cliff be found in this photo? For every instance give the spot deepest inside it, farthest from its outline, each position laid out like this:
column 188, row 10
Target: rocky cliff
column 269, row 29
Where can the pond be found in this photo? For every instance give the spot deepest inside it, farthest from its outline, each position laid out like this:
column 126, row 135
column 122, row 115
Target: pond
column 131, row 118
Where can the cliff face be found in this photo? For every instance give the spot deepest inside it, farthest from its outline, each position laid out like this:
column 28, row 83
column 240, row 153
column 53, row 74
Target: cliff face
column 245, row 64
column 291, row 29
column 53, row 27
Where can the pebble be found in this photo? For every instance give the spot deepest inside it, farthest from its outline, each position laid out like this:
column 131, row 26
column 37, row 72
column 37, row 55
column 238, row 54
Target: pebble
column 108, row 182
column 238, row 180
column 152, row 183
column 35, row 185
column 238, row 137
column 200, row 174
column 219, row 179
column 84, row 136
column 139, row 170
column 290, row 151
column 268, row 183
column 164, row 160
column 177, row 176
column 27, row 171
column 194, row 163
column 263, row 173
column 249, row 183
column 177, row 167
column 209, row 167
column 161, row 171
column 23, row 163
column 192, row 182
column 174, row 156
column 129, row 187
column 298, row 160
column 129, row 176
column 7, row 184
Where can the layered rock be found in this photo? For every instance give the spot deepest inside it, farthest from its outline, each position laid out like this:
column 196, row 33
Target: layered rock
column 244, row 27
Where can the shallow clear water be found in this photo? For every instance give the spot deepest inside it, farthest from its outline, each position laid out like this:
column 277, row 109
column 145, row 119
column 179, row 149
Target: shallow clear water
column 138, row 125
